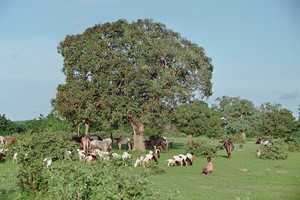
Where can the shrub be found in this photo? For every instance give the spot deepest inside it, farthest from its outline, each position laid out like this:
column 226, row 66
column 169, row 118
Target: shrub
column 100, row 181
column 32, row 149
column 274, row 152
column 293, row 144
column 207, row 147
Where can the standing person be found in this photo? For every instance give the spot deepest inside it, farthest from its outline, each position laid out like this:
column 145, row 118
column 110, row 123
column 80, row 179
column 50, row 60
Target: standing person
column 208, row 170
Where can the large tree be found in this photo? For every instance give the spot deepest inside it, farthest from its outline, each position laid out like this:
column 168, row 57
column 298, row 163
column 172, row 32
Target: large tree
column 134, row 72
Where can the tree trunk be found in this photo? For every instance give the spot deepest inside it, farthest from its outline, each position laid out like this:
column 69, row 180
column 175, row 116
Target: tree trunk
column 243, row 136
column 138, row 136
column 87, row 126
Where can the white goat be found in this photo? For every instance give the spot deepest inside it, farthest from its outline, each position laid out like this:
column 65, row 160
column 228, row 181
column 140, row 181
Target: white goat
column 15, row 157
column 115, row 155
column 258, row 152
column 47, row 162
column 102, row 154
column 171, row 162
column 68, row 155
column 81, row 154
column 126, row 155
column 1, row 140
column 139, row 161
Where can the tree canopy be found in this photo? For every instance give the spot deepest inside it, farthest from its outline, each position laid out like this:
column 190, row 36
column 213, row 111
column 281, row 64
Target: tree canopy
column 197, row 119
column 130, row 72
column 238, row 115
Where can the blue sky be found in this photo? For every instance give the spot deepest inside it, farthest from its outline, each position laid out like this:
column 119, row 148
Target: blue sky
column 254, row 45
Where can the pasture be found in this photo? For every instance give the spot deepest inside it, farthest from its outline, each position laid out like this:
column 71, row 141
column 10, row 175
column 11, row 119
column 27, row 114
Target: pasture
column 242, row 177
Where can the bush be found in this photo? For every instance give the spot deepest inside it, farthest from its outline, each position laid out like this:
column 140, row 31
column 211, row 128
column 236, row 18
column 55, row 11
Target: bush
column 293, row 144
column 32, row 149
column 100, row 181
column 207, row 147
column 274, row 152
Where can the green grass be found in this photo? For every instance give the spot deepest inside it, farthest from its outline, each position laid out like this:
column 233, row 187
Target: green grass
column 243, row 177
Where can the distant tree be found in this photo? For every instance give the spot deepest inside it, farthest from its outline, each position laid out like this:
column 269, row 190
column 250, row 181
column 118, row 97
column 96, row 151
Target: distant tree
column 276, row 121
column 49, row 123
column 129, row 72
column 8, row 127
column 238, row 115
column 197, row 119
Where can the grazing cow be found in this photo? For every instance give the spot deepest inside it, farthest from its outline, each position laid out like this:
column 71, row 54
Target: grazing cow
column 121, row 141
column 193, row 144
column 263, row 142
column 229, row 147
column 159, row 142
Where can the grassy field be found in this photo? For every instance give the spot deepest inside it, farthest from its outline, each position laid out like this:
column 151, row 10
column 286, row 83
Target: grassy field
column 243, row 177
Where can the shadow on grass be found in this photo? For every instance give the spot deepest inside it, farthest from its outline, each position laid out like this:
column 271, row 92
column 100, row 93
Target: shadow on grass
column 7, row 194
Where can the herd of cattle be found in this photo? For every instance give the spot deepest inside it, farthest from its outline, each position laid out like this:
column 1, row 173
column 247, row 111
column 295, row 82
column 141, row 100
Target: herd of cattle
column 92, row 148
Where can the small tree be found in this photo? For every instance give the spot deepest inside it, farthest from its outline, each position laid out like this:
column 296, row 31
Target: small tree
column 238, row 115
column 129, row 72
column 197, row 118
column 276, row 120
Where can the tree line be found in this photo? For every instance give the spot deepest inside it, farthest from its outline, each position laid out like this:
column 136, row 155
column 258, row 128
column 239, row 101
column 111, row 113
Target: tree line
column 228, row 116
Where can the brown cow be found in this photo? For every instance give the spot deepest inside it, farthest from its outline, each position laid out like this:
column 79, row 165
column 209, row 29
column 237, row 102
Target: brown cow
column 10, row 140
column 229, row 147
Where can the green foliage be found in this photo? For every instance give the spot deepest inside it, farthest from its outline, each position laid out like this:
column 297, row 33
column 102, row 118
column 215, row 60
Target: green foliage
column 197, row 119
column 207, row 147
column 8, row 127
column 32, row 149
column 50, row 123
column 122, row 72
column 293, row 144
column 238, row 115
column 277, row 121
column 103, row 180
column 276, row 151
